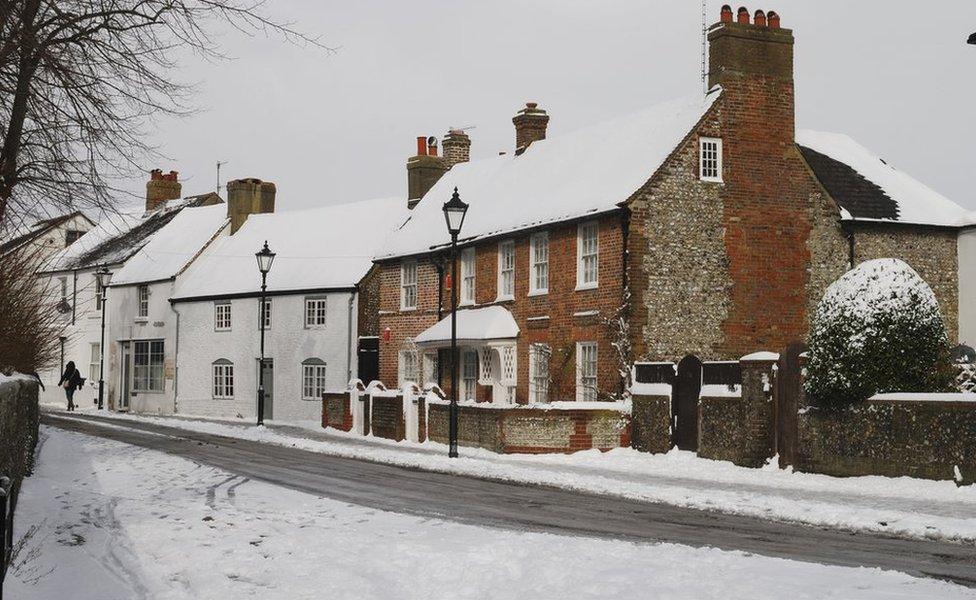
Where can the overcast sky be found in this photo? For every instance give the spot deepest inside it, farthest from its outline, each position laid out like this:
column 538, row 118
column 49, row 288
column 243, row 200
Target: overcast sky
column 895, row 75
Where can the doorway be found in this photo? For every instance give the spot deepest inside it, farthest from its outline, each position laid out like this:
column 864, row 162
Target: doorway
column 125, row 379
column 687, row 389
column 268, row 381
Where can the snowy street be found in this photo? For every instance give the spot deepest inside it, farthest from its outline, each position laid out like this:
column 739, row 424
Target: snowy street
column 119, row 521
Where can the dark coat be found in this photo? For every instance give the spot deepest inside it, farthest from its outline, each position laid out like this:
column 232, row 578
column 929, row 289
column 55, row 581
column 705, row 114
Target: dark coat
column 72, row 376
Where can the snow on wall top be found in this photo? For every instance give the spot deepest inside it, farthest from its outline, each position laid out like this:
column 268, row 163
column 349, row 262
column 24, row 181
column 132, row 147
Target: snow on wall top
column 317, row 248
column 488, row 323
column 172, row 248
column 917, row 203
column 586, row 172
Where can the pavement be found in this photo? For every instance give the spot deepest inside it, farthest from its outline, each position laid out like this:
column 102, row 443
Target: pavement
column 519, row 507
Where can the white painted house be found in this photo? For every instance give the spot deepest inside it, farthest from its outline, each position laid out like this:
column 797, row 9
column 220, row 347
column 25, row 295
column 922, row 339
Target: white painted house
column 323, row 266
column 70, row 278
column 142, row 342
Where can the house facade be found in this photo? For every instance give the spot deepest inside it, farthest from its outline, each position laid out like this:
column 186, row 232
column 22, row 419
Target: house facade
column 322, row 272
column 69, row 277
column 47, row 237
column 707, row 226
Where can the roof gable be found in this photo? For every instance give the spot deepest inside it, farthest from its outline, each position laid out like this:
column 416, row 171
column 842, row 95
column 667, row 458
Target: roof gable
column 855, row 194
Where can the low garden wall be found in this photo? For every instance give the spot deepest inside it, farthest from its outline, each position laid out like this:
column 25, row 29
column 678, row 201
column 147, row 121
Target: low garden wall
column 651, row 423
column 386, row 416
column 337, row 411
column 931, row 436
column 555, row 428
column 19, row 421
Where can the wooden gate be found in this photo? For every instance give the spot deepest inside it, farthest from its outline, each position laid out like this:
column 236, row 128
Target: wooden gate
column 684, row 403
column 787, row 397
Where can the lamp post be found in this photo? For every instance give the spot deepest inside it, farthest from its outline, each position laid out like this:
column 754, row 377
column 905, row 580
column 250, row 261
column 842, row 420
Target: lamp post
column 104, row 277
column 265, row 257
column 454, row 211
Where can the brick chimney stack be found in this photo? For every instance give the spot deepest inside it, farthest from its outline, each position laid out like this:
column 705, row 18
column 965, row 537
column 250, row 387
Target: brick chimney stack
column 530, row 126
column 162, row 187
column 424, row 169
column 247, row 197
column 457, row 147
column 753, row 61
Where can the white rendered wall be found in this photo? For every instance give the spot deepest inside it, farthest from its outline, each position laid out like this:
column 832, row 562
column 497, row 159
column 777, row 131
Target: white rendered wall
column 160, row 324
column 287, row 342
column 967, row 286
column 79, row 336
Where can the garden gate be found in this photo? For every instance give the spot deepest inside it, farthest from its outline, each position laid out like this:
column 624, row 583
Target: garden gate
column 684, row 403
column 787, row 402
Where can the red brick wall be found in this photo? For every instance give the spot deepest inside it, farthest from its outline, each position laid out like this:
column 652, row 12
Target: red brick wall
column 561, row 331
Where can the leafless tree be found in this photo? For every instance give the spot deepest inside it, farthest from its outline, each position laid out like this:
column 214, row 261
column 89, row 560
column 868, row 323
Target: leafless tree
column 30, row 321
column 81, row 82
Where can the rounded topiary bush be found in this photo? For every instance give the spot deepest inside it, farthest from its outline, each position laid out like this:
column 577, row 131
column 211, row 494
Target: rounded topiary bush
column 878, row 329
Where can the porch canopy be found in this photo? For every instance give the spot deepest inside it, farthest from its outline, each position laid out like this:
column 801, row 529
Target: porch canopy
column 475, row 326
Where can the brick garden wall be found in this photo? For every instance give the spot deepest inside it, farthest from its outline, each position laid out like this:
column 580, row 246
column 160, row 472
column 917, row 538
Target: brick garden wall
column 881, row 437
column 651, row 423
column 19, row 420
column 336, row 411
column 532, row 431
column 387, row 417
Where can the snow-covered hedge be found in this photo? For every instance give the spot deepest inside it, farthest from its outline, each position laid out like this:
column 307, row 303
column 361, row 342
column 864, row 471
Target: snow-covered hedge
column 878, row 329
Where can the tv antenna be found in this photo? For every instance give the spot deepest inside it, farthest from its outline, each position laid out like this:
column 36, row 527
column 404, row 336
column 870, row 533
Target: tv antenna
column 219, row 163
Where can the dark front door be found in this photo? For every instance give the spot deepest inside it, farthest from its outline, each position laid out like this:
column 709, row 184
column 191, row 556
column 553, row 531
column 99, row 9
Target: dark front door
column 268, row 382
column 369, row 359
column 684, row 403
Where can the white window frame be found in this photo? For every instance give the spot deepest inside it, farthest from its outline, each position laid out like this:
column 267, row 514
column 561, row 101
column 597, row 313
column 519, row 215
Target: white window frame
column 266, row 314
column 539, row 263
column 587, row 279
column 469, row 269
column 142, row 302
column 222, row 387
column 506, row 270
column 587, row 369
column 316, row 312
column 409, row 359
column 313, row 379
column 94, row 366
column 540, row 356
column 150, row 377
column 63, row 281
column 470, row 368
column 408, row 285
column 222, row 316
column 710, row 167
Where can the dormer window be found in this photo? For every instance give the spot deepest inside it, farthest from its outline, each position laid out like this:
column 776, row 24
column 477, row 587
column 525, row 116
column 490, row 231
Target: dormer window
column 710, row 159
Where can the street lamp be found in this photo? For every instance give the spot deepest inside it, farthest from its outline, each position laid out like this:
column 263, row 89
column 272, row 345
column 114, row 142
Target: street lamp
column 454, row 211
column 265, row 257
column 104, row 277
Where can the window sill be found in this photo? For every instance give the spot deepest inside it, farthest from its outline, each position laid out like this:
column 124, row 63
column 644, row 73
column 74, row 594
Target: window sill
column 544, row 292
column 466, row 304
column 405, row 309
column 221, row 330
column 223, row 398
column 141, row 320
column 505, row 299
column 587, row 286
column 710, row 180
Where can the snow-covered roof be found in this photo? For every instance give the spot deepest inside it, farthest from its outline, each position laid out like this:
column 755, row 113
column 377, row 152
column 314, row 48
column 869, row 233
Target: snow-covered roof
column 172, row 248
column 586, row 172
column 473, row 324
column 882, row 192
column 317, row 248
column 119, row 236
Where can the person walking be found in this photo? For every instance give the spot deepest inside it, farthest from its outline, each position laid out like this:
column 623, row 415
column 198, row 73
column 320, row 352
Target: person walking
column 70, row 381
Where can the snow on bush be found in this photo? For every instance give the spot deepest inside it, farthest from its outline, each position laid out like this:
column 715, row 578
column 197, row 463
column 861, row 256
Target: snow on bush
column 878, row 329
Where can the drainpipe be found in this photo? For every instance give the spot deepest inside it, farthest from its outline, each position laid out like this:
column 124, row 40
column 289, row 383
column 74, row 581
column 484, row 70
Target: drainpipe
column 850, row 245
column 350, row 348
column 176, row 359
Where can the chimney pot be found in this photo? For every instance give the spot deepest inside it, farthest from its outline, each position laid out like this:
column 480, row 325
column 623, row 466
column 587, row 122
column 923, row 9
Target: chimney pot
column 424, row 170
column 431, row 146
column 422, row 145
column 760, row 19
column 743, row 15
column 726, row 16
column 773, row 20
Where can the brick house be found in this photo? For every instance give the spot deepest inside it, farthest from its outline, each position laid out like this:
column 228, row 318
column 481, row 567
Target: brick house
column 708, row 226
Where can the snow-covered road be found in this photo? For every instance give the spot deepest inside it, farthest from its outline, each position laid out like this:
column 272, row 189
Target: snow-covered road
column 121, row 522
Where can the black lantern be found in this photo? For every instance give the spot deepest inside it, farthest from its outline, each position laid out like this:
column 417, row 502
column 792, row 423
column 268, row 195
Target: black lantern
column 454, row 211
column 265, row 257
